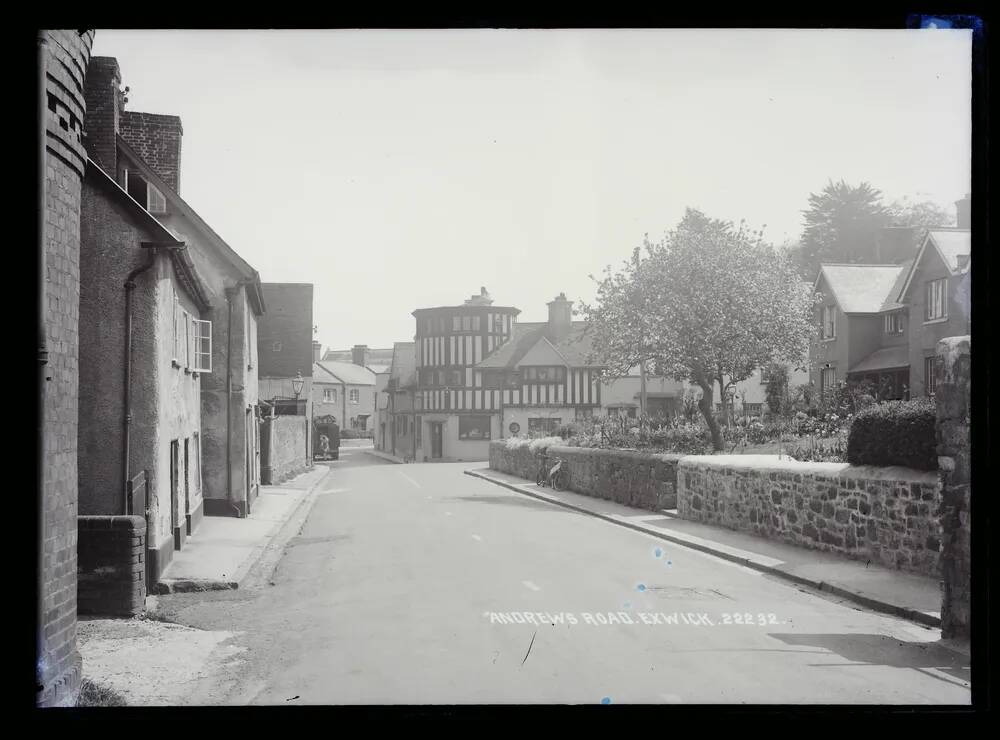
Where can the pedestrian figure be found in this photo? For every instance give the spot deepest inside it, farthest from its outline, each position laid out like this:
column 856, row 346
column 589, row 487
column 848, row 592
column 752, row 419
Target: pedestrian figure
column 324, row 445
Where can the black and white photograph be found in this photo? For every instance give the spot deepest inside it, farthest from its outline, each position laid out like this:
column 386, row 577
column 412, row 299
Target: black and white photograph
column 507, row 366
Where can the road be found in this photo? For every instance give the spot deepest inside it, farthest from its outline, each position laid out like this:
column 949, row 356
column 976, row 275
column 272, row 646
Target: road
column 391, row 592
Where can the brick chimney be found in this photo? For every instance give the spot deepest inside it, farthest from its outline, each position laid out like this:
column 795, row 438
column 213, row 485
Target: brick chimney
column 157, row 139
column 359, row 354
column 105, row 105
column 963, row 211
column 560, row 316
column 317, row 351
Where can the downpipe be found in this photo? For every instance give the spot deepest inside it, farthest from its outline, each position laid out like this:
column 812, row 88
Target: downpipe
column 43, row 359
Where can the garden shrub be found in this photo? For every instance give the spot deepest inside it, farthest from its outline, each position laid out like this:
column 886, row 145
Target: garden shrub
column 894, row 433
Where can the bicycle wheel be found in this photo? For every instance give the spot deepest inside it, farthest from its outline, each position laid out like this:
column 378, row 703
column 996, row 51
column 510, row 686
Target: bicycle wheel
column 559, row 481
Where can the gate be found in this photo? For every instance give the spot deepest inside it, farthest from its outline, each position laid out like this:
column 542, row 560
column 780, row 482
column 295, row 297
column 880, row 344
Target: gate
column 137, row 497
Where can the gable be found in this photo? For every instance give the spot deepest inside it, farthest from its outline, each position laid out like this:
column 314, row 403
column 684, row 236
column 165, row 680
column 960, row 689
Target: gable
column 542, row 353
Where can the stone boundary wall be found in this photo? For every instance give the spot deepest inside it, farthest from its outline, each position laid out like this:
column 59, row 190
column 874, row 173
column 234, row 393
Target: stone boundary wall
column 286, row 454
column 952, row 397
column 886, row 515
column 111, row 565
column 640, row 479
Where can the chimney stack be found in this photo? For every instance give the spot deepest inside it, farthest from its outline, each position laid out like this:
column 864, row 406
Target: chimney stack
column 317, row 351
column 359, row 354
column 963, row 212
column 102, row 119
column 157, row 140
column 560, row 316
column 483, row 299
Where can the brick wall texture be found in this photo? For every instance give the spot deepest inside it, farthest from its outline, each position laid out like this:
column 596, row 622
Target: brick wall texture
column 111, row 565
column 157, row 140
column 639, row 479
column 289, row 321
column 954, row 386
column 58, row 670
column 887, row 515
column 285, row 453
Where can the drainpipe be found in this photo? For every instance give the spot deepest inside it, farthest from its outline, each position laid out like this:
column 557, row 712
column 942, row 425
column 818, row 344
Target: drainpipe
column 230, row 294
column 127, row 406
column 127, row 400
column 413, row 405
column 43, row 356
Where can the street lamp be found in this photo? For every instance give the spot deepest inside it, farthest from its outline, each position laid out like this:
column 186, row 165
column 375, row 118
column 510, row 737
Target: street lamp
column 297, row 383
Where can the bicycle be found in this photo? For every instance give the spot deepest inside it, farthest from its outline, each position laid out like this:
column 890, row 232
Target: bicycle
column 557, row 477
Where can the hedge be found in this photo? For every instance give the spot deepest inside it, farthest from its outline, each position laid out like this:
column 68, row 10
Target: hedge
column 894, row 433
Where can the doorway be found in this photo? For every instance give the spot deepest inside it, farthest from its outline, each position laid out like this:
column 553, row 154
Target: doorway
column 175, row 464
column 437, row 438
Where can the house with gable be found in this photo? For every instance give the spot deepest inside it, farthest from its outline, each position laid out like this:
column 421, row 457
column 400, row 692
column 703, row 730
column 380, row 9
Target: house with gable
column 345, row 391
column 933, row 289
column 862, row 329
column 142, row 153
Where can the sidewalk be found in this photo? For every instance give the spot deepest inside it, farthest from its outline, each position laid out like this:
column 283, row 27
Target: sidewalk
column 385, row 456
column 913, row 597
column 223, row 549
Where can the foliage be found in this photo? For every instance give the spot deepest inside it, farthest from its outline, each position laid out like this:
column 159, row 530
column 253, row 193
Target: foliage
column 535, row 445
column 920, row 214
column 841, row 225
column 711, row 303
column 97, row 695
column 818, row 449
column 895, row 433
column 777, row 388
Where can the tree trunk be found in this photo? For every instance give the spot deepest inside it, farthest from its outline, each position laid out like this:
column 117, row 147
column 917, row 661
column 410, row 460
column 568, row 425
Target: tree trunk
column 705, row 404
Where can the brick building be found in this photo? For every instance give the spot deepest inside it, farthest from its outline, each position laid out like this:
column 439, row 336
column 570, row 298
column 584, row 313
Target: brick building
column 141, row 152
column 144, row 347
column 63, row 57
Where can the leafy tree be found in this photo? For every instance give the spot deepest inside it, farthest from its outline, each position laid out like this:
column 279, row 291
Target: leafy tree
column 921, row 214
column 841, row 225
column 711, row 304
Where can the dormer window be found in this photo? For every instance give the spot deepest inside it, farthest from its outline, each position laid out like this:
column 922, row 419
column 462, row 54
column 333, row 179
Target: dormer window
column 145, row 193
column 893, row 322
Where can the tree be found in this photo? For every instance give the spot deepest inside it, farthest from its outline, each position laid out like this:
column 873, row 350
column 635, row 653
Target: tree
column 920, row 214
column 841, row 225
column 713, row 303
column 620, row 328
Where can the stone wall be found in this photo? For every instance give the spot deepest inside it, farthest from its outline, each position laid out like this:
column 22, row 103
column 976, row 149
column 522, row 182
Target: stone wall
column 640, row 479
column 65, row 56
column 886, row 515
column 111, row 565
column 954, row 385
column 283, row 448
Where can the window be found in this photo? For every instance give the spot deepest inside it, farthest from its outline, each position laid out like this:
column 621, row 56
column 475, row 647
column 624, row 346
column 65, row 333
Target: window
column 455, row 377
column 930, row 377
column 753, row 409
column 418, row 426
column 329, row 395
column 765, row 375
column 276, row 347
column 473, row 427
column 829, row 322
column 456, row 323
column 893, row 323
column 466, row 323
column 177, row 333
column 475, row 323
column 545, row 374
column 936, row 296
column 543, row 425
column 584, row 413
column 497, row 323
column 828, row 378
column 202, row 356
column 355, row 395
column 187, row 341
column 155, row 202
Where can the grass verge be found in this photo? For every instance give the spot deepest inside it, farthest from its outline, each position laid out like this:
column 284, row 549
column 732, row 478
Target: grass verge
column 95, row 695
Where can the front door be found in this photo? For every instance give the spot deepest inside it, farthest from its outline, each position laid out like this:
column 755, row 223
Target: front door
column 436, row 439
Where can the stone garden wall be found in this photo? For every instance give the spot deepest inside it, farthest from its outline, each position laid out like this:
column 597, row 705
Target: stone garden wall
column 640, row 479
column 886, row 515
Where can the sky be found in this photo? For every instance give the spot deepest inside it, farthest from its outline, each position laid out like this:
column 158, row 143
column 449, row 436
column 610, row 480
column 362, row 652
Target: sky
column 403, row 169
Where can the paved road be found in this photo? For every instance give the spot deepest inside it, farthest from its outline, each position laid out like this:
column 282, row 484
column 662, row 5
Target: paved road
column 392, row 590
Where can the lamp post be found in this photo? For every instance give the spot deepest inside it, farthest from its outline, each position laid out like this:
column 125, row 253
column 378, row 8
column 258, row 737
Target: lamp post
column 297, row 382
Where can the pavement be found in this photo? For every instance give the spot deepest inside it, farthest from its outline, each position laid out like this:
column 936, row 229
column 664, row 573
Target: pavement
column 422, row 585
column 221, row 553
column 907, row 595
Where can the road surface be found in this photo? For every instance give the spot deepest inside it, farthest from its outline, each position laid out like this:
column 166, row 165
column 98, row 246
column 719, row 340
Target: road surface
column 410, row 584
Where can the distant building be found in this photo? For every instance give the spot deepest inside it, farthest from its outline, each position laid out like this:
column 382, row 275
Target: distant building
column 345, row 391
column 377, row 360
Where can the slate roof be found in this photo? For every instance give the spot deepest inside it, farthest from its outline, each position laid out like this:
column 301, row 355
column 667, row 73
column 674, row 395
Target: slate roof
column 342, row 372
column 863, row 288
column 573, row 347
column 404, row 364
column 951, row 245
column 887, row 358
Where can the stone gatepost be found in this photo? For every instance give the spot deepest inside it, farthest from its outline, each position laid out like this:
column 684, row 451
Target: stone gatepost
column 953, row 367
